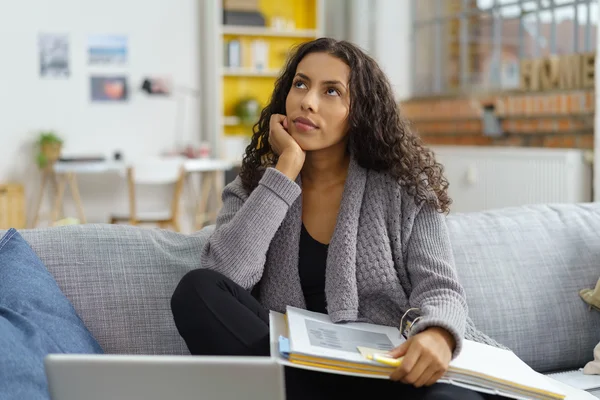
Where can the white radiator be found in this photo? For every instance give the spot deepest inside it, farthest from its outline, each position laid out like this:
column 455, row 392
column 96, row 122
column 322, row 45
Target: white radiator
column 483, row 178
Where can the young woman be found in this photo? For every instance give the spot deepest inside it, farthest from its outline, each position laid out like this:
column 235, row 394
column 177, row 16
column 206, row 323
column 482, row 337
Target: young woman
column 338, row 209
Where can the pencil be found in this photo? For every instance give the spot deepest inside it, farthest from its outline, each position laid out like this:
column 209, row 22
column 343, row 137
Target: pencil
column 389, row 361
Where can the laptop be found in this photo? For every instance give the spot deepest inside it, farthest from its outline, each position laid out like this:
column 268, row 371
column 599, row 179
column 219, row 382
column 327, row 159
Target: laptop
column 131, row 377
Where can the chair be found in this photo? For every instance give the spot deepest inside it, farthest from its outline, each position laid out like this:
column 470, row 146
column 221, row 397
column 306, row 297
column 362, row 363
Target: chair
column 155, row 172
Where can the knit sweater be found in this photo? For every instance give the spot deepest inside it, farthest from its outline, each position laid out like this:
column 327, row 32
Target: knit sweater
column 387, row 254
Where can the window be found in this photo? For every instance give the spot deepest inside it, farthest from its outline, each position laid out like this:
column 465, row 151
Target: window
column 476, row 45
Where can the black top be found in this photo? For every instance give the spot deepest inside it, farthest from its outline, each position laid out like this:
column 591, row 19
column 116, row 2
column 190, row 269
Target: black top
column 311, row 266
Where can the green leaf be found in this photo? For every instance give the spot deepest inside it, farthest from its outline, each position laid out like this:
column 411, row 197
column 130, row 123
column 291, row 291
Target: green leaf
column 42, row 160
column 49, row 137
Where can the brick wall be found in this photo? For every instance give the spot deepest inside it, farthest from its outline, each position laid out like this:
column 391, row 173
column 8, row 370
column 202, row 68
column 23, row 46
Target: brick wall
column 551, row 119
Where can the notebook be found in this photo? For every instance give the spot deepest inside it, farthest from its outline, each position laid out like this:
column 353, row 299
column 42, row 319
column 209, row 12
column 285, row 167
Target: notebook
column 304, row 339
column 578, row 379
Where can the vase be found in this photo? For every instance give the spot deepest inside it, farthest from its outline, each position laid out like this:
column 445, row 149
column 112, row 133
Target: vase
column 51, row 151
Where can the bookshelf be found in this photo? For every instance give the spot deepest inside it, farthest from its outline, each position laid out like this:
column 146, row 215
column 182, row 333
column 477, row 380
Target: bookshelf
column 226, row 83
column 267, row 32
column 250, row 72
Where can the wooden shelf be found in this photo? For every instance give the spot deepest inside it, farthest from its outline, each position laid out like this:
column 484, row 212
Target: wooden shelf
column 250, row 72
column 260, row 31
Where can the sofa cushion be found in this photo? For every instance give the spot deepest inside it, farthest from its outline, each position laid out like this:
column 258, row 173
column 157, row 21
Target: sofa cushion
column 36, row 319
column 522, row 269
column 120, row 279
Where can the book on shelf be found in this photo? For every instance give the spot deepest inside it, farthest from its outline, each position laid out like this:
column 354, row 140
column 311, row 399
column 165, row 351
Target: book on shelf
column 304, row 339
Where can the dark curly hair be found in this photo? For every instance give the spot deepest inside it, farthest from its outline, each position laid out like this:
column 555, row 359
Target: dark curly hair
column 378, row 136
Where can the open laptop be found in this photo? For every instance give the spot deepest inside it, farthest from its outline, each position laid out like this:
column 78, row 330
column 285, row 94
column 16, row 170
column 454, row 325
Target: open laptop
column 130, row 377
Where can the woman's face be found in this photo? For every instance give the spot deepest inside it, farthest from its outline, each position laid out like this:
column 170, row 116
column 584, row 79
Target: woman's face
column 318, row 102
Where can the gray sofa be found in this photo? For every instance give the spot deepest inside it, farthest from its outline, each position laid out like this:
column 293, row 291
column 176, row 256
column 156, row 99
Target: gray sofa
column 521, row 268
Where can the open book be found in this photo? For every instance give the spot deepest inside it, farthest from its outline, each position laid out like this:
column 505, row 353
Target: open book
column 309, row 340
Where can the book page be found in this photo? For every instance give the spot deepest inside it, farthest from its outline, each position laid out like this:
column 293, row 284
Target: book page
column 314, row 334
column 327, row 340
column 572, row 393
column 278, row 327
column 342, row 338
column 578, row 379
column 480, row 359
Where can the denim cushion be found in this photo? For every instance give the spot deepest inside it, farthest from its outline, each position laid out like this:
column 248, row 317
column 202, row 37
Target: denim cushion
column 120, row 279
column 36, row 319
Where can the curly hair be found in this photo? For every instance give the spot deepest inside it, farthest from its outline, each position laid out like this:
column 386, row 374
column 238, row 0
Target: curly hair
column 379, row 138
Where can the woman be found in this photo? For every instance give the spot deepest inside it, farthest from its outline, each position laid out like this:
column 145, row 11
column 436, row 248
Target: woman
column 338, row 208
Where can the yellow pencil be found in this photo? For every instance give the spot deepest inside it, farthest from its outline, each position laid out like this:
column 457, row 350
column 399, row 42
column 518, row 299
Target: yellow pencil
column 392, row 362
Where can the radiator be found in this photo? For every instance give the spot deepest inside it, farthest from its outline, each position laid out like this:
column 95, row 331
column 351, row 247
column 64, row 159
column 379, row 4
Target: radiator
column 483, row 178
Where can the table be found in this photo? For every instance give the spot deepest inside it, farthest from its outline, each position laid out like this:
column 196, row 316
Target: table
column 65, row 173
column 62, row 174
column 213, row 171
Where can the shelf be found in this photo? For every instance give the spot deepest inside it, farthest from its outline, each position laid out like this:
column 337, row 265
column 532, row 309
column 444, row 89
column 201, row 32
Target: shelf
column 245, row 76
column 260, row 31
column 270, row 73
column 231, row 120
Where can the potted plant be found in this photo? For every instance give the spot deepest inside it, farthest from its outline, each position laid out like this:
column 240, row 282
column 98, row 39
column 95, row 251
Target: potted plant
column 49, row 148
column 248, row 111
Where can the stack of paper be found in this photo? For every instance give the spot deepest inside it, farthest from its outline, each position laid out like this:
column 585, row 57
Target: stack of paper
column 304, row 339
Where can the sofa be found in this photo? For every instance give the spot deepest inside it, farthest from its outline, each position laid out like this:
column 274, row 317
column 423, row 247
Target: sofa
column 521, row 267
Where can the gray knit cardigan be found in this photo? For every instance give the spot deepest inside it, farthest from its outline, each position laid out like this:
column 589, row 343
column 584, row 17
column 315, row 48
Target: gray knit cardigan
column 387, row 254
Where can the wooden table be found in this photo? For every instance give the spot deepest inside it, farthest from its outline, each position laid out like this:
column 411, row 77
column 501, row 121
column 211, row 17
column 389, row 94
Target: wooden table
column 63, row 174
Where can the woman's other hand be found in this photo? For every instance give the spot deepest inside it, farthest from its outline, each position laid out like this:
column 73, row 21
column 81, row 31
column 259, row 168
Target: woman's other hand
column 426, row 357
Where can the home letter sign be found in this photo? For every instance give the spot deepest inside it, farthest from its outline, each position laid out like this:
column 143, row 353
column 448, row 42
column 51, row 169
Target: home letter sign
column 575, row 71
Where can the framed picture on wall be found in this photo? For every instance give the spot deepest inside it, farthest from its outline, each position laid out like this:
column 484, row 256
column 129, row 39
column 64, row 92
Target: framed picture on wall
column 107, row 49
column 109, row 88
column 54, row 55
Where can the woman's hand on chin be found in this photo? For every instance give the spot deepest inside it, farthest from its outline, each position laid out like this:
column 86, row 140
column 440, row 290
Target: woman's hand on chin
column 291, row 156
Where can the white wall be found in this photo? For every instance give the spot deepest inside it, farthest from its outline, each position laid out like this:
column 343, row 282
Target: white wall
column 392, row 43
column 163, row 40
column 383, row 29
column 336, row 19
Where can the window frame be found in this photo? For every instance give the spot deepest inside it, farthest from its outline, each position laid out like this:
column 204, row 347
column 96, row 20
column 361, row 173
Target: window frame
column 439, row 20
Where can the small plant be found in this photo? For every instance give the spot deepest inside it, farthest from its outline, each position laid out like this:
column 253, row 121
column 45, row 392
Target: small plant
column 49, row 146
column 248, row 111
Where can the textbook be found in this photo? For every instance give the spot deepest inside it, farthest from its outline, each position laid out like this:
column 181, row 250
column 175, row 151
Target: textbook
column 304, row 339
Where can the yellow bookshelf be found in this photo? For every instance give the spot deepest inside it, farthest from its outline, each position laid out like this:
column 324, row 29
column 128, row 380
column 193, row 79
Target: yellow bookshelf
column 288, row 23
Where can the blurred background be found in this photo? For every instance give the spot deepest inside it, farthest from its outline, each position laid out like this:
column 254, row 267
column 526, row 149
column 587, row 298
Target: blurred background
column 137, row 111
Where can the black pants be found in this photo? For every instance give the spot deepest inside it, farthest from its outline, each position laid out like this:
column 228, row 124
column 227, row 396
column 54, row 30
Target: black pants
column 215, row 316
